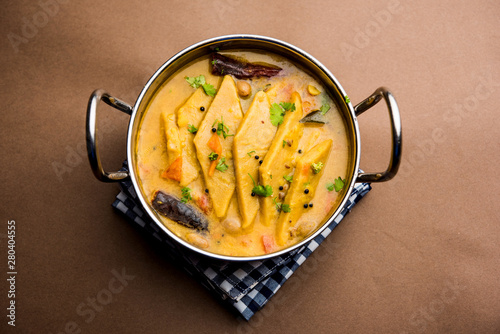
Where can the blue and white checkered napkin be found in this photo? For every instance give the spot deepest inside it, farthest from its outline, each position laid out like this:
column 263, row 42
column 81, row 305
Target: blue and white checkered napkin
column 245, row 286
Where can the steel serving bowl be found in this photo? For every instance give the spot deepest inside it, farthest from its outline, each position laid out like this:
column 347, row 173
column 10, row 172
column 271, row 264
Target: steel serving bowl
column 242, row 42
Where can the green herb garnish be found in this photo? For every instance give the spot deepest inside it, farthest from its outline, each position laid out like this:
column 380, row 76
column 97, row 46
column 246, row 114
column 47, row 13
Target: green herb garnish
column 278, row 205
column 324, row 108
column 288, row 106
column 213, row 156
column 347, row 99
column 198, row 81
column 221, row 166
column 260, row 190
column 277, row 114
column 338, row 185
column 284, row 143
column 222, row 128
column 316, row 167
column 281, row 206
column 289, row 178
column 186, row 194
column 209, row 89
column 192, row 129
column 250, row 153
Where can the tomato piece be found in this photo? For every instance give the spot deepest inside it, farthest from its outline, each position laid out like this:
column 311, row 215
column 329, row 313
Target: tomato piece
column 204, row 203
column 216, row 146
column 268, row 243
column 174, row 171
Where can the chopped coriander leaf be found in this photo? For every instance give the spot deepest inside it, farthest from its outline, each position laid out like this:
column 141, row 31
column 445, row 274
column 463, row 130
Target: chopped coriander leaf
column 281, row 206
column 324, row 108
column 192, row 129
column 330, row 186
column 250, row 153
column 284, row 143
column 277, row 111
column 316, row 167
column 307, row 183
column 278, row 205
column 339, row 184
column 198, row 81
column 222, row 128
column 195, row 82
column 285, row 208
column 277, row 114
column 213, row 156
column 289, row 178
column 214, row 61
column 271, row 177
column 186, row 194
column 288, row 106
column 221, row 166
column 209, row 89
column 264, row 191
column 260, row 189
column 347, row 99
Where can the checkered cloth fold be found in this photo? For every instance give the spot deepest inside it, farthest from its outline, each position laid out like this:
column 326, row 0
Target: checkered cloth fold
column 244, row 286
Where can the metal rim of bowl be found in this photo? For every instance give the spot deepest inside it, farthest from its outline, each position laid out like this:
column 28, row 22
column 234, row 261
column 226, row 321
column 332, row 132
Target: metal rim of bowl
column 133, row 124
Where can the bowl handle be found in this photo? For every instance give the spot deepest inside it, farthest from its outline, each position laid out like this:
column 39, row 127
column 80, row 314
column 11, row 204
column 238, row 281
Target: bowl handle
column 92, row 150
column 397, row 139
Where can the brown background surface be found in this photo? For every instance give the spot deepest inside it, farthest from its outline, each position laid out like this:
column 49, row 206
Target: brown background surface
column 420, row 254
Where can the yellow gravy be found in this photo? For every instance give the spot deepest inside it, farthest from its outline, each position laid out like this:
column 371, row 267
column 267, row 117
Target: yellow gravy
column 225, row 235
